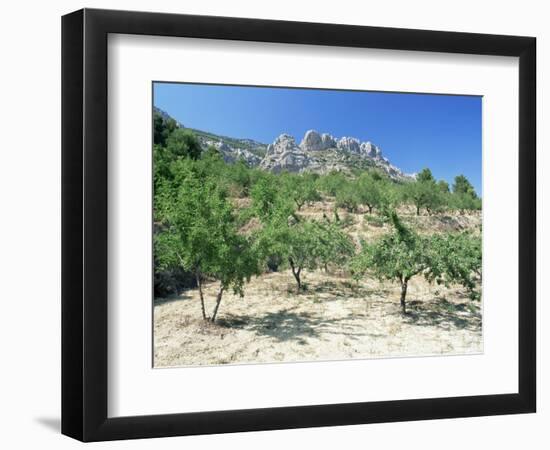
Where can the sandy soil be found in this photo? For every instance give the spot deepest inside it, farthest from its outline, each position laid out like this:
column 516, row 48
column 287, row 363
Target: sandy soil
column 334, row 319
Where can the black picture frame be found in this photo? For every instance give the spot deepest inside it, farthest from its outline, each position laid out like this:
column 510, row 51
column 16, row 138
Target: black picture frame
column 84, row 224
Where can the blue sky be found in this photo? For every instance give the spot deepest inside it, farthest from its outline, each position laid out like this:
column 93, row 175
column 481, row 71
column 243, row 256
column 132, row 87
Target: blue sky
column 442, row 132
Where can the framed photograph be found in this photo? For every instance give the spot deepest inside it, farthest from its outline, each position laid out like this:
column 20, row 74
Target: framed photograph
column 273, row 224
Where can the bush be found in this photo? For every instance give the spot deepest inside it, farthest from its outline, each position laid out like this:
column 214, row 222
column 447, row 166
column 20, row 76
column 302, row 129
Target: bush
column 172, row 281
column 375, row 221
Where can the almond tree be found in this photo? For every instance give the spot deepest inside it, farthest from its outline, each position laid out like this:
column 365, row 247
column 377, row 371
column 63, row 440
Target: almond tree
column 311, row 245
column 303, row 245
column 300, row 188
column 457, row 258
column 348, row 197
column 403, row 254
column 302, row 249
column 398, row 256
column 335, row 246
column 200, row 234
column 371, row 191
column 424, row 192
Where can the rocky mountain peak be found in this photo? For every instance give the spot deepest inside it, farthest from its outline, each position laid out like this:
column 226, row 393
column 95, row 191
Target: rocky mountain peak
column 314, row 141
column 328, row 141
column 283, row 144
column 349, row 144
column 284, row 154
column 370, row 150
column 322, row 153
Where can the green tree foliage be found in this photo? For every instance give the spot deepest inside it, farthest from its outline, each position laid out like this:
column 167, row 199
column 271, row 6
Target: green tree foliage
column 424, row 192
column 162, row 128
column 269, row 202
column 211, row 152
column 182, row 143
column 304, row 245
column 403, row 254
column 465, row 202
column 425, row 176
column 335, row 247
column 302, row 249
column 421, row 195
column 276, row 211
column 300, row 188
column 264, row 198
column 397, row 256
column 241, row 177
column 372, row 189
column 464, row 196
column 331, row 183
column 443, row 186
column 461, row 185
column 457, row 259
column 201, row 235
column 270, row 242
column 348, row 196
column 161, row 166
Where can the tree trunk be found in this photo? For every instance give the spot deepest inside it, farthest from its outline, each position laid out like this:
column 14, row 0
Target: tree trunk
column 218, row 301
column 296, row 273
column 298, row 281
column 403, row 295
column 201, row 295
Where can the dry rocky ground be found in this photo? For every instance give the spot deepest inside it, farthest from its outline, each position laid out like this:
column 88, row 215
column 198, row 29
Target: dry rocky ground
column 335, row 318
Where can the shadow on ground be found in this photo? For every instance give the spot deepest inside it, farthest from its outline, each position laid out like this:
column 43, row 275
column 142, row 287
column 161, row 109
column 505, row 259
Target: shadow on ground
column 444, row 314
column 172, row 298
column 335, row 291
column 287, row 325
column 283, row 325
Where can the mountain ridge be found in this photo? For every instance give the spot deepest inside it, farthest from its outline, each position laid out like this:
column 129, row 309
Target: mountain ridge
column 317, row 152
